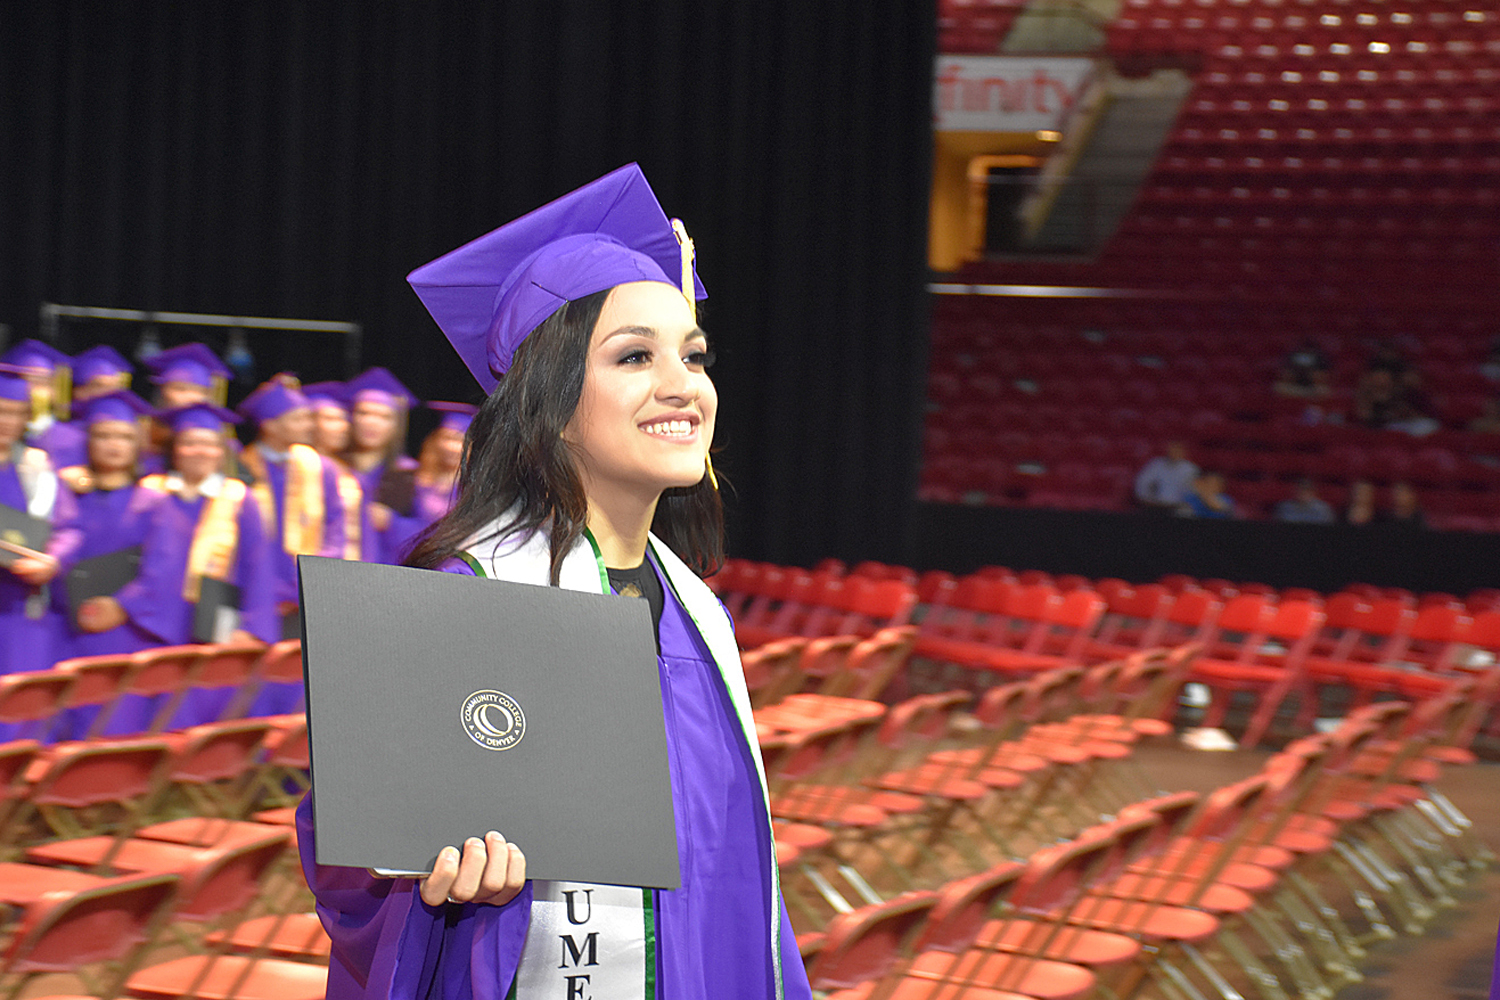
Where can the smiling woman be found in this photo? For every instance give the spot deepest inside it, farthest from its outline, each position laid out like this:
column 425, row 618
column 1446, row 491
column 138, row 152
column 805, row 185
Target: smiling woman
column 588, row 468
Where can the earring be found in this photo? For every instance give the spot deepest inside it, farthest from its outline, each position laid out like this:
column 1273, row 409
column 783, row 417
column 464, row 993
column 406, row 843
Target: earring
column 708, row 465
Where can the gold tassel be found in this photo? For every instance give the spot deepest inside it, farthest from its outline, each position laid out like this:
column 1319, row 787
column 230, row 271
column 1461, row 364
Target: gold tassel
column 686, row 243
column 708, row 464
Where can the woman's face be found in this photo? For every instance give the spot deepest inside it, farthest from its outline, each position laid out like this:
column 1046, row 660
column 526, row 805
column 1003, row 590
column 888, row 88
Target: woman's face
column 175, row 394
column 645, row 418
column 373, row 426
column 450, row 447
column 330, row 429
column 197, row 452
column 113, row 445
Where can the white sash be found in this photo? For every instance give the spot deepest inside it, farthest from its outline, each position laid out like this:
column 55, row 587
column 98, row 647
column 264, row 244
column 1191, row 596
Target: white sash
column 587, row 941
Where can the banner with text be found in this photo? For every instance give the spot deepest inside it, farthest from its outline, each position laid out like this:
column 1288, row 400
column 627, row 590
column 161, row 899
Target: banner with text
column 1006, row 93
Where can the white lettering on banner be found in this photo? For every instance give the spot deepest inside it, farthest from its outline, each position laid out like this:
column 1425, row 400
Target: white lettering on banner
column 1006, row 93
column 584, row 941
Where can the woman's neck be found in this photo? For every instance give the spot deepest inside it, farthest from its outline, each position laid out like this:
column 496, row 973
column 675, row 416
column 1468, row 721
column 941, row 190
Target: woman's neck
column 112, row 479
column 620, row 527
column 364, row 461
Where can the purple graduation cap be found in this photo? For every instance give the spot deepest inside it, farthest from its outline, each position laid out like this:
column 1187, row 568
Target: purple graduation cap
column 192, row 363
column 34, row 355
column 456, row 416
column 271, row 399
column 321, row 394
column 13, row 384
column 122, row 404
column 488, row 295
column 197, row 416
column 100, row 361
column 378, row 385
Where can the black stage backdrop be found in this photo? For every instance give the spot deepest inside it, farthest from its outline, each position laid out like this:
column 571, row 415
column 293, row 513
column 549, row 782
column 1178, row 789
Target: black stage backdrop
column 298, row 159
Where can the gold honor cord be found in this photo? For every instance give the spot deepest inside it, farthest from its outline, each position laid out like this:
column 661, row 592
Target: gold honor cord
column 686, row 243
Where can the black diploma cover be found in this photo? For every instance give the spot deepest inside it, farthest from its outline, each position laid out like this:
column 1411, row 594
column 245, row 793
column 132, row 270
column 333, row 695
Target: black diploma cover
column 443, row 706
column 101, row 576
column 19, row 528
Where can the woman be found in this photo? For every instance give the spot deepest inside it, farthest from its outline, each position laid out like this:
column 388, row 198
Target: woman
column 330, row 409
column 437, row 470
column 378, row 404
column 102, row 509
column 28, row 486
column 587, row 468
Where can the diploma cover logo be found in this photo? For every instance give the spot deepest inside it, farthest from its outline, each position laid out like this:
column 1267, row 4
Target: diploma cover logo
column 493, row 719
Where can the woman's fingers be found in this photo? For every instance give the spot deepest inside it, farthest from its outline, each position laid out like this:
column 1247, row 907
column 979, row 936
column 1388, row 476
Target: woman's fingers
column 470, row 870
column 488, row 871
column 504, row 872
column 435, row 886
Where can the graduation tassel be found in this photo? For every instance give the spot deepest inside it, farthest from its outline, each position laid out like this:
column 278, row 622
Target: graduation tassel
column 686, row 243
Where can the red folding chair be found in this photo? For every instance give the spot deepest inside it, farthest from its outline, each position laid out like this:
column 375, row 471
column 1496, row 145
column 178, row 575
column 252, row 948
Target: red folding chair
column 1270, row 662
column 31, row 703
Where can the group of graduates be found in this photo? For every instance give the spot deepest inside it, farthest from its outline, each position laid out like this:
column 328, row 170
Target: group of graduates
column 200, row 534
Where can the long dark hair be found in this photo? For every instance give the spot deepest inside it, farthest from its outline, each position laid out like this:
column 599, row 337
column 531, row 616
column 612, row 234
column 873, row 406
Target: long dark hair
column 515, row 457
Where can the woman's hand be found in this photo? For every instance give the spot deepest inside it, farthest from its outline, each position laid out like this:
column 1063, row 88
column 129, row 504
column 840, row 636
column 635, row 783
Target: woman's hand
column 35, row 570
column 100, row 614
column 490, row 871
column 380, row 517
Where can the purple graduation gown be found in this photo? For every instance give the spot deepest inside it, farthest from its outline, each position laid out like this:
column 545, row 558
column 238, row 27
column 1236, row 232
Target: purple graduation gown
column 26, row 642
column 154, row 598
column 66, row 442
column 93, row 524
column 711, row 937
column 384, row 546
column 429, row 504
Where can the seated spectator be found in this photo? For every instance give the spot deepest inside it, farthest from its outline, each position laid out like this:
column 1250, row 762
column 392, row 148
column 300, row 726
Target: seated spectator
column 1164, row 482
column 1303, row 373
column 1375, row 397
column 1361, row 509
column 1408, row 417
column 1305, row 506
column 1387, row 358
column 1405, row 511
column 1207, row 498
column 1487, row 422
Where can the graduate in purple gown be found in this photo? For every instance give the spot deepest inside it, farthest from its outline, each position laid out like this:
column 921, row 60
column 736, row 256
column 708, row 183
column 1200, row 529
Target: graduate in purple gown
column 27, row 483
column 183, row 375
column 49, row 373
column 101, row 508
column 98, row 371
column 437, row 471
column 587, row 468
column 378, row 408
column 203, row 526
column 330, row 408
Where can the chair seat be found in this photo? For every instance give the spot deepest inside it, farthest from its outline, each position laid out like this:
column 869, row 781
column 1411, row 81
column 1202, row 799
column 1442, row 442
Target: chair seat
column 1077, row 945
column 910, row 988
column 205, row 832
column 1037, row 977
column 268, row 979
column 22, row 883
column 1215, row 898
column 1149, row 920
column 299, row 935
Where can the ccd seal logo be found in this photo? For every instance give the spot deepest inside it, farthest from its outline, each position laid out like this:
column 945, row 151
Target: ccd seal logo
column 493, row 719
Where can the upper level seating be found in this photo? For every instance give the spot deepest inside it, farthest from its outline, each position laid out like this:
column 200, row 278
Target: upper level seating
column 1332, row 174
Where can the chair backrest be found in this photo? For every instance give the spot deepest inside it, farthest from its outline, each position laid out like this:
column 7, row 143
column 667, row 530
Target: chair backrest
column 874, row 662
column 863, row 945
column 281, row 662
column 79, row 775
column 31, row 700
column 165, row 669
column 97, row 680
column 228, row 879
column 218, row 751
column 964, row 906
column 228, row 664
column 107, row 922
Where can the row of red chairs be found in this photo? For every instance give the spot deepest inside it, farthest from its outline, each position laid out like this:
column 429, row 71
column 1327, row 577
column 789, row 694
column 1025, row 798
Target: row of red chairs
column 1125, row 900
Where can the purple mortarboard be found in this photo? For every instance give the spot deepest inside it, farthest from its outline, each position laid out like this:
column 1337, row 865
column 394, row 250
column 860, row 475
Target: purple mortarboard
column 197, row 416
column 34, row 354
column 13, row 384
column 99, row 361
column 269, row 401
column 456, row 416
column 191, row 363
column 321, row 394
column 488, row 295
column 377, row 385
column 122, row 404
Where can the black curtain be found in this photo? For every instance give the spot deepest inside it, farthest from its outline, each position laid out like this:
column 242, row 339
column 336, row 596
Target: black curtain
column 298, row 159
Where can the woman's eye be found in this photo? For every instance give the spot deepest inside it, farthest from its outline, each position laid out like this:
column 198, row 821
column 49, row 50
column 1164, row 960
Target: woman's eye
column 636, row 357
column 700, row 359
